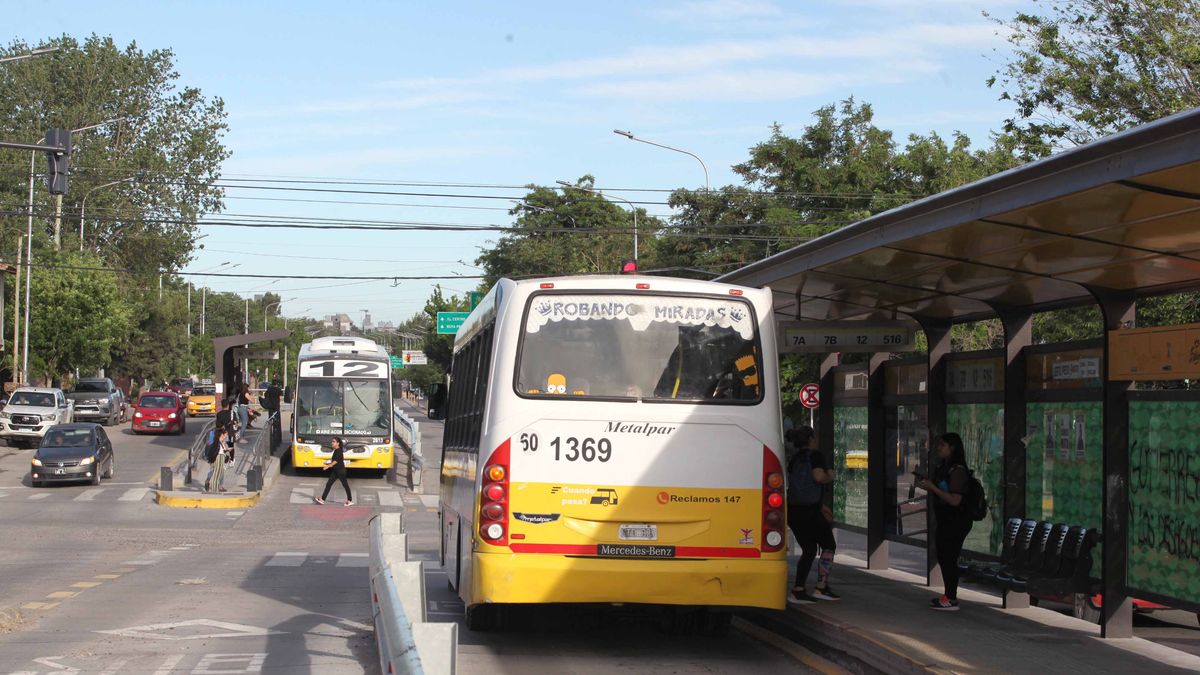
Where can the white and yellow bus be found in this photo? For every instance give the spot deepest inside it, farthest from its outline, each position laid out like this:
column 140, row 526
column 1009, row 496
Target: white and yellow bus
column 343, row 388
column 615, row 439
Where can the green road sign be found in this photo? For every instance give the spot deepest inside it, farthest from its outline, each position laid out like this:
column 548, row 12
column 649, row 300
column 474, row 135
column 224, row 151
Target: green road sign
column 448, row 323
column 397, row 361
column 475, row 296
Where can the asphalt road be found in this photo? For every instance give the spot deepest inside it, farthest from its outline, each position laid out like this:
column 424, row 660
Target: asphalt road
column 103, row 580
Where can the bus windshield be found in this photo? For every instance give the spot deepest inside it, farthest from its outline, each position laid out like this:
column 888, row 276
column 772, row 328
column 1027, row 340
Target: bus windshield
column 343, row 407
column 644, row 347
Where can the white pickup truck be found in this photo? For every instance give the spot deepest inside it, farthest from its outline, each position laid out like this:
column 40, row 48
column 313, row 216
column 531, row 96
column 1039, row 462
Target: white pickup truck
column 31, row 411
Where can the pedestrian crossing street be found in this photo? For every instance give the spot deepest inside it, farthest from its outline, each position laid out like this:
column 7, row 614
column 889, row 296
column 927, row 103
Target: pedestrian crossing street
column 67, row 494
column 381, row 496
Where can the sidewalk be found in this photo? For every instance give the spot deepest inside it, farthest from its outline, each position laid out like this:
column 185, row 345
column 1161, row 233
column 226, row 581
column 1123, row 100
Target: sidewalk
column 237, row 495
column 884, row 623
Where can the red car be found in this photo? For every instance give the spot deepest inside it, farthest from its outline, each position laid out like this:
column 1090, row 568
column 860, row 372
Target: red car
column 159, row 412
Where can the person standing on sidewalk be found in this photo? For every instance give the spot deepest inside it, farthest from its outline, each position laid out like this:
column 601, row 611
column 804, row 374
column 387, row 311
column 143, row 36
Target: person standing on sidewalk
column 224, row 419
column 243, row 407
column 810, row 520
column 337, row 465
column 948, row 488
column 217, row 454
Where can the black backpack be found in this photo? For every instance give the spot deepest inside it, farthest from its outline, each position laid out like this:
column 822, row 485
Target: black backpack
column 974, row 502
column 802, row 489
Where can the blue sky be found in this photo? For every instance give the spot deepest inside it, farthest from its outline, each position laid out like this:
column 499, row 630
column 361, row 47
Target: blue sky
column 513, row 93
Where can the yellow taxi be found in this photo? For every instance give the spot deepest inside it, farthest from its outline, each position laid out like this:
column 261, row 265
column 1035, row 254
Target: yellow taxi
column 203, row 401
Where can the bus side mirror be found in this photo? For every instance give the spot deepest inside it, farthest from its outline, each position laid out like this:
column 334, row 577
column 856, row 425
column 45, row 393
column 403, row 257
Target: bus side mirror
column 435, row 409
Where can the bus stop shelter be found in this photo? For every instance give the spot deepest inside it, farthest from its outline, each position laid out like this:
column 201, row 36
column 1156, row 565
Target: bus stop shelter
column 1100, row 225
column 227, row 373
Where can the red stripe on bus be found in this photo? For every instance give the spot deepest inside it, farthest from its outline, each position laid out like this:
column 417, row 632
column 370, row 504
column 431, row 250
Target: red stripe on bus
column 680, row 551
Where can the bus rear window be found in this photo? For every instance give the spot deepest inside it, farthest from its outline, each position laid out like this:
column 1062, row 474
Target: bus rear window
column 640, row 347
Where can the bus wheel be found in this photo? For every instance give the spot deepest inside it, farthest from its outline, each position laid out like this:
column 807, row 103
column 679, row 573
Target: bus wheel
column 483, row 617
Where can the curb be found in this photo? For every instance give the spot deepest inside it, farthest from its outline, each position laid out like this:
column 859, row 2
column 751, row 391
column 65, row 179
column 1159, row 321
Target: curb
column 185, row 501
column 839, row 642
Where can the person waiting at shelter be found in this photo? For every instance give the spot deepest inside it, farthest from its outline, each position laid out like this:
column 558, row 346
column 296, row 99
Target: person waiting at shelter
column 810, row 520
column 949, row 488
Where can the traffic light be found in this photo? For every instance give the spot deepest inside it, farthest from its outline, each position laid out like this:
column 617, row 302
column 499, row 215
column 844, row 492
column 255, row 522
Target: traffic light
column 58, row 158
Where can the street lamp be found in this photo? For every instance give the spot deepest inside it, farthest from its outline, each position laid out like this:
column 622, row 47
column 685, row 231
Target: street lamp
column 268, row 306
column 541, row 209
column 601, row 194
column 83, row 204
column 30, row 54
column 630, row 136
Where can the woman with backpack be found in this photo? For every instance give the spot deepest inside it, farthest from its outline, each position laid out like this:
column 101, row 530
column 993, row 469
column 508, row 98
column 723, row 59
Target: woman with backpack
column 216, row 454
column 809, row 519
column 949, row 486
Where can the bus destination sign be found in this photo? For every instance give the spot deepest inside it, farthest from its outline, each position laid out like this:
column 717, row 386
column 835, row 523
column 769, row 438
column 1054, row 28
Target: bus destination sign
column 806, row 337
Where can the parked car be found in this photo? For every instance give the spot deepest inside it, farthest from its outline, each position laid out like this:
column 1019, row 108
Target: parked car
column 97, row 398
column 31, row 411
column 182, row 386
column 159, row 412
column 73, row 452
column 203, row 401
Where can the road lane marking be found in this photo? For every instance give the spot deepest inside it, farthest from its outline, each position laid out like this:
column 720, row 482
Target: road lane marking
column 429, row 500
column 88, row 495
column 287, row 559
column 390, row 499
column 353, row 560
column 40, row 495
column 60, row 595
column 230, row 663
column 139, row 562
column 169, row 665
column 301, row 496
column 85, row 584
column 161, row 631
column 50, row 661
column 180, row 548
column 107, row 576
column 39, row 605
column 115, row 667
column 134, row 494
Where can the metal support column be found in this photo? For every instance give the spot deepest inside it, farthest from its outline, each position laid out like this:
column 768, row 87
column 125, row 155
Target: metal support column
column 1018, row 334
column 1119, row 310
column 825, row 410
column 937, row 334
column 879, row 499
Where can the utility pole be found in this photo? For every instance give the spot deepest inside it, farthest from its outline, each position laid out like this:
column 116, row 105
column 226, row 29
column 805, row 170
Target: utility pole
column 203, row 310
column 189, row 325
column 17, row 315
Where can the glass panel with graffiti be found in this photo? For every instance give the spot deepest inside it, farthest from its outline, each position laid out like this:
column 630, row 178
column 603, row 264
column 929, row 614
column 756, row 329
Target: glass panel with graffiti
column 981, row 426
column 1164, row 498
column 640, row 347
column 850, row 465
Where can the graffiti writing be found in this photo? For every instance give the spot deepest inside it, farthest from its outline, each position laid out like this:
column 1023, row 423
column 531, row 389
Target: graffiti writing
column 1167, row 532
column 1170, row 472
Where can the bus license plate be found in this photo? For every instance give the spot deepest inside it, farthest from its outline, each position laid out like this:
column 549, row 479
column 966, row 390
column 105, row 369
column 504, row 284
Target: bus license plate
column 628, row 532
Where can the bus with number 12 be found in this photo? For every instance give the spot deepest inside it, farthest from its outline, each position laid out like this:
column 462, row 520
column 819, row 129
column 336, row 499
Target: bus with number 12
column 615, row 439
column 343, row 388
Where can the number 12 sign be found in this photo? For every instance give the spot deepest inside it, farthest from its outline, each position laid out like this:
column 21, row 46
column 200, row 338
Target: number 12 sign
column 344, row 368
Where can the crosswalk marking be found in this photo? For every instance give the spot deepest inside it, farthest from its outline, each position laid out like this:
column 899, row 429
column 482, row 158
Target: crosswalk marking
column 301, row 495
column 429, row 500
column 287, row 559
column 134, row 494
column 88, row 495
column 390, row 499
column 353, row 560
column 40, row 495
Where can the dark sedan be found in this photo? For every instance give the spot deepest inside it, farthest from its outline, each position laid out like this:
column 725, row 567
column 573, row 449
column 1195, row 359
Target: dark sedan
column 73, row 452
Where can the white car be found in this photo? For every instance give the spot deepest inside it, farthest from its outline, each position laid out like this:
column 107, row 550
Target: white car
column 31, row 411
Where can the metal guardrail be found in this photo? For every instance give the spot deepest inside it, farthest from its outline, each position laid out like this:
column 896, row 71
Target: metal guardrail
column 407, row 644
column 260, row 452
column 196, row 452
column 407, row 432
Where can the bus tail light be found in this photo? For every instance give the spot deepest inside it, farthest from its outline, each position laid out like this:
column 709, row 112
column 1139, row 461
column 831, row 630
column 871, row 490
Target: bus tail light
column 773, row 503
column 493, row 498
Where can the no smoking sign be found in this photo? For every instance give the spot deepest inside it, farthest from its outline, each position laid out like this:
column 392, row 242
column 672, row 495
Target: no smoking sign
column 810, row 395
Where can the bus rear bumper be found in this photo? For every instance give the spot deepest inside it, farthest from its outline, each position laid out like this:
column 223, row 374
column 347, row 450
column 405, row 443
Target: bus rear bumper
column 537, row 578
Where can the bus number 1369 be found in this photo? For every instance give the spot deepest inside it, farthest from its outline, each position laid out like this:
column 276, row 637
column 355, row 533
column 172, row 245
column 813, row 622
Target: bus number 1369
column 572, row 449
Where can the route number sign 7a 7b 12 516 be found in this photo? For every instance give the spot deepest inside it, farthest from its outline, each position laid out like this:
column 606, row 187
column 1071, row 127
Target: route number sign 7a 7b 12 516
column 845, row 336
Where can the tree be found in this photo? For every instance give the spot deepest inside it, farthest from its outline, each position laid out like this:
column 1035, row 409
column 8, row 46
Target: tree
column 439, row 349
column 1089, row 68
column 77, row 318
column 575, row 232
column 167, row 143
